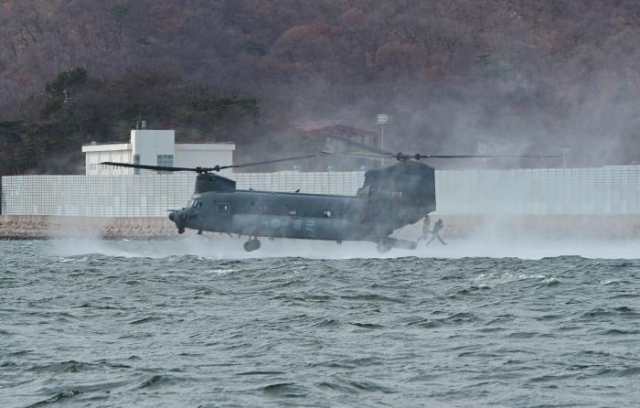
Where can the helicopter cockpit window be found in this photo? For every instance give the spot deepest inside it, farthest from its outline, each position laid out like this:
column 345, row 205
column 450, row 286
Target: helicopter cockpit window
column 223, row 209
column 193, row 202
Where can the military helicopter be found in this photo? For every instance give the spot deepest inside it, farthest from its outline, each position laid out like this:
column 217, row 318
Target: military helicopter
column 390, row 198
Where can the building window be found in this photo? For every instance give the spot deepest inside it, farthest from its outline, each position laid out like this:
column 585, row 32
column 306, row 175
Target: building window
column 165, row 160
column 136, row 160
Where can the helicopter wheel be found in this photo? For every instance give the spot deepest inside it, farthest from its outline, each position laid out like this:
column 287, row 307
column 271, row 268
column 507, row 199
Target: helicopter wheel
column 383, row 248
column 252, row 245
column 180, row 230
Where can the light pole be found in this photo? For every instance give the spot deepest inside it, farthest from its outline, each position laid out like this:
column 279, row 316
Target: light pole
column 383, row 119
column 565, row 152
column 483, row 149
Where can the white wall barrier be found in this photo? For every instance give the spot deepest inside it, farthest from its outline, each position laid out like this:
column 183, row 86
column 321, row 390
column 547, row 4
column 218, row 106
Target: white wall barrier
column 606, row 190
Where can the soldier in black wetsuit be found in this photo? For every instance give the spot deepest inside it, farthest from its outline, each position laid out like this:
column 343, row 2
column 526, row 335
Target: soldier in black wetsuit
column 425, row 228
column 437, row 227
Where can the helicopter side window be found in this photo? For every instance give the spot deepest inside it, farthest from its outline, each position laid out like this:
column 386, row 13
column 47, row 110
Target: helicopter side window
column 223, row 209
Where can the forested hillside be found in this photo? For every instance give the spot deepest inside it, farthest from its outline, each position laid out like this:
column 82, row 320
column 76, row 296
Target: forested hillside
column 459, row 76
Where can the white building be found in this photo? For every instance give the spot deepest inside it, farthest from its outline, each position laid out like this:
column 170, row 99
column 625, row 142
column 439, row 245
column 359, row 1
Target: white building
column 155, row 148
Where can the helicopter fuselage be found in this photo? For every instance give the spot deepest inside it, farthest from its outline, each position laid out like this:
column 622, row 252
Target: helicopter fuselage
column 293, row 215
column 390, row 198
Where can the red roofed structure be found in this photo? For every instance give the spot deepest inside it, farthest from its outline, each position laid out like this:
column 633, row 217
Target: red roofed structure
column 331, row 131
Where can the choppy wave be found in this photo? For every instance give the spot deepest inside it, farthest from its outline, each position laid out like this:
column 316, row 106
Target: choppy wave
column 161, row 327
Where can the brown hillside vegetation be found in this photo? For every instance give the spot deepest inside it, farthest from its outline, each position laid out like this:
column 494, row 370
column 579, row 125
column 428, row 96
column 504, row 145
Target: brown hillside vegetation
column 510, row 75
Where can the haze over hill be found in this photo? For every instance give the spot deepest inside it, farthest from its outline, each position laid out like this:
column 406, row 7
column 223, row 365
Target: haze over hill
column 509, row 75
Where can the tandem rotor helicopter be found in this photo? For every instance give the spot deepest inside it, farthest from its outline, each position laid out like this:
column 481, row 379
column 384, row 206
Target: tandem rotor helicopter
column 390, row 198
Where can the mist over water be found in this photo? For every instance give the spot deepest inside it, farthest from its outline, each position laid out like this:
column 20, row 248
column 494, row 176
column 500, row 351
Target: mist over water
column 478, row 245
column 198, row 322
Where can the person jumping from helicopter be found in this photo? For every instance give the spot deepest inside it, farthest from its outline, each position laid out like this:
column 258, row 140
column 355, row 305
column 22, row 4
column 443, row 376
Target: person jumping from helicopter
column 425, row 229
column 437, row 227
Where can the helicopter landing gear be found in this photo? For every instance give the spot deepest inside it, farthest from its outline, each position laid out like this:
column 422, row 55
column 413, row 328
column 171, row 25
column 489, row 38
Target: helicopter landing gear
column 385, row 244
column 252, row 245
column 180, row 230
column 383, row 247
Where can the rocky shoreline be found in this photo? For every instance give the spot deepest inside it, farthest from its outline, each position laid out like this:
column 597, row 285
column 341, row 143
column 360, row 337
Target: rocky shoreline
column 48, row 227
column 19, row 227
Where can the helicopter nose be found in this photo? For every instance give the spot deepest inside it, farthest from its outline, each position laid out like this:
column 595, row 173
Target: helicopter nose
column 172, row 215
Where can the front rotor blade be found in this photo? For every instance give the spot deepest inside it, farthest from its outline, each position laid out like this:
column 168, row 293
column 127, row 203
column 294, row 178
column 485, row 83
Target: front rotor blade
column 148, row 167
column 215, row 168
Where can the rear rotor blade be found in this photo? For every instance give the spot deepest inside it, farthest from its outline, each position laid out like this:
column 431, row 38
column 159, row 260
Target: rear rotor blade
column 372, row 149
column 372, row 156
column 308, row 156
column 405, row 157
column 474, row 156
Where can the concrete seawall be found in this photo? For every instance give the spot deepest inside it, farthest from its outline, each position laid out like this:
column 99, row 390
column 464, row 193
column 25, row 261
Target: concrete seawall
column 584, row 226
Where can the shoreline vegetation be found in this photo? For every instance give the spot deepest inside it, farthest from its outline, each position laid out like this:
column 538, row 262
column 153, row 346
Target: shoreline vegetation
column 463, row 76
